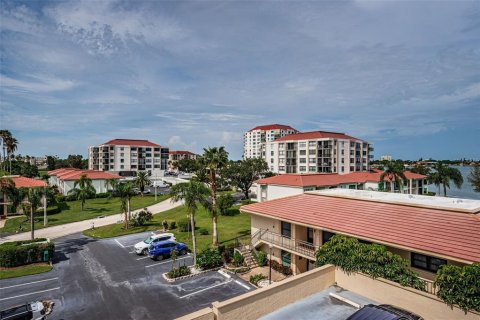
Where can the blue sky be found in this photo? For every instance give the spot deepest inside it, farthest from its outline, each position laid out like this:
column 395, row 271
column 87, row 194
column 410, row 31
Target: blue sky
column 404, row 75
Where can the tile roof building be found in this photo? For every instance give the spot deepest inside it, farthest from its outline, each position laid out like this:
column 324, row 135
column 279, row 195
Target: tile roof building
column 19, row 182
column 255, row 139
column 127, row 156
column 65, row 178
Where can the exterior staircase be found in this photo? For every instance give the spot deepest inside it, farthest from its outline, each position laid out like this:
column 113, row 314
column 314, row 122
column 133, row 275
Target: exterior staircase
column 249, row 257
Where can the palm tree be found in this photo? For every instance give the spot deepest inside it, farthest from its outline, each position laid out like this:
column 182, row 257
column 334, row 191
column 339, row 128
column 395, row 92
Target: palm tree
column 15, row 196
column 125, row 192
column 212, row 160
column 192, row 193
column 443, row 175
column 34, row 198
column 394, row 171
column 82, row 190
column 474, row 178
column 11, row 143
column 142, row 180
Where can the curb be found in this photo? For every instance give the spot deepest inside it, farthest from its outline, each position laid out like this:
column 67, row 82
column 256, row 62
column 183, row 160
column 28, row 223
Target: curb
column 164, row 275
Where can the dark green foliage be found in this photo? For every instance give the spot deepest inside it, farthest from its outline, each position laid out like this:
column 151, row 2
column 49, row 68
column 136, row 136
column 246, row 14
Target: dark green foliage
column 203, row 231
column 180, row 272
column 261, row 258
column 238, row 259
column 60, row 198
column 459, row 286
column 226, row 252
column 184, row 225
column 24, row 169
column 139, row 219
column 247, row 201
column 165, row 224
column 371, row 259
column 281, row 268
column 257, row 277
column 103, row 195
column 224, row 202
column 231, row 212
column 50, row 210
column 18, row 253
column 172, row 225
column 474, row 177
column 209, row 258
column 241, row 174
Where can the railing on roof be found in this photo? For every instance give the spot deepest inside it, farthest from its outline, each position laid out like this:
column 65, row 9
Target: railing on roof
column 297, row 246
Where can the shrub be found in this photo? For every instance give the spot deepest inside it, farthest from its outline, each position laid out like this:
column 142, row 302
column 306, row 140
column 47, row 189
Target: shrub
column 231, row 212
column 103, row 195
column 50, row 210
column 59, row 198
column 371, row 259
column 165, row 225
column 238, row 259
column 18, row 253
column 70, row 197
column 140, row 218
column 257, row 277
column 281, row 268
column 224, row 202
column 180, row 272
column 184, row 225
column 209, row 258
column 247, row 201
column 203, row 231
column 459, row 286
column 172, row 225
column 261, row 258
column 226, row 253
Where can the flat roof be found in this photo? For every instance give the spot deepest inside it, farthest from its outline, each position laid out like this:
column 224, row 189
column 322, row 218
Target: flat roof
column 391, row 219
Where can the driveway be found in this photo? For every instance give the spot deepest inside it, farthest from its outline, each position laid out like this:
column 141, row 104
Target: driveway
column 105, row 279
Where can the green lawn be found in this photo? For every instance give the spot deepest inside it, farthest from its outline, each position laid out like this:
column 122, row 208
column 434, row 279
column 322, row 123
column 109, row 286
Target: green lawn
column 71, row 212
column 229, row 227
column 24, row 270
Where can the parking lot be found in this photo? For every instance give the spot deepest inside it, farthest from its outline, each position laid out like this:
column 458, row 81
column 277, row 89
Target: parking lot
column 105, row 279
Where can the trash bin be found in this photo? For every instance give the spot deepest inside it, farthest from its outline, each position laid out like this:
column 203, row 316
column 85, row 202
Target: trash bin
column 45, row 255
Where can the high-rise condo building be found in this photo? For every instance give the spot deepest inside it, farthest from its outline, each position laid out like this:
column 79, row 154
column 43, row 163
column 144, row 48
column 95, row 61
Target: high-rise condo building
column 255, row 139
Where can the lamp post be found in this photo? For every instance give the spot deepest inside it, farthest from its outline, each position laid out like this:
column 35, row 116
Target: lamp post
column 270, row 263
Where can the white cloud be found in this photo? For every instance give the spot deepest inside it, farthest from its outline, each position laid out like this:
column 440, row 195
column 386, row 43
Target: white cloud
column 36, row 83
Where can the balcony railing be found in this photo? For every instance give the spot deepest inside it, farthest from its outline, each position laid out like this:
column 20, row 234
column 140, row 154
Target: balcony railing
column 429, row 286
column 297, row 246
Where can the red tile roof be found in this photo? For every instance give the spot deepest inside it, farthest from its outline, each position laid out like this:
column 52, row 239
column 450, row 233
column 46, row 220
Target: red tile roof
column 453, row 235
column 130, row 142
column 273, row 127
column 331, row 179
column 316, row 135
column 75, row 174
column 24, row 182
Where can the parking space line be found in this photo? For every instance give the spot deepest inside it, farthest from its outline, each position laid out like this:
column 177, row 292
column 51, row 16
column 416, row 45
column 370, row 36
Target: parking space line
column 24, row 284
column 205, row 289
column 142, row 258
column 243, row 285
column 168, row 261
column 121, row 245
column 27, row 294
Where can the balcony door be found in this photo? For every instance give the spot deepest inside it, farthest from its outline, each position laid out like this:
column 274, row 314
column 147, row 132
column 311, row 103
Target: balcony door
column 310, row 235
column 286, row 229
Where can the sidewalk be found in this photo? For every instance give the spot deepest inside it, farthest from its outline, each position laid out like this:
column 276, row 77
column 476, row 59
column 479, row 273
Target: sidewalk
column 74, row 227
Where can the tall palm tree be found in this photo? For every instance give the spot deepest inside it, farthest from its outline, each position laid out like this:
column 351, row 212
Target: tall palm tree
column 474, row 178
column 394, row 171
column 142, row 180
column 4, row 136
column 82, row 190
column 213, row 159
column 34, row 199
column 193, row 193
column 125, row 192
column 12, row 144
column 443, row 175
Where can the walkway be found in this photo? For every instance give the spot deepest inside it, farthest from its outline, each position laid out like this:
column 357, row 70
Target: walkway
column 74, row 227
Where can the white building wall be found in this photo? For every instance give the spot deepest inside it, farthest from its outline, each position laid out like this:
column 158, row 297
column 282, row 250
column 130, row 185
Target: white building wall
column 276, row 191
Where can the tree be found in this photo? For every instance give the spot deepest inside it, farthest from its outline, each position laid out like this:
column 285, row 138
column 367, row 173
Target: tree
column 34, row 199
column 51, row 163
column 75, row 161
column 242, row 174
column 193, row 194
column 5, row 136
column 394, row 171
column 82, row 190
column 187, row 165
column 125, row 192
column 421, row 169
column 224, row 202
column 12, row 144
column 142, row 180
column 212, row 160
column 443, row 175
column 15, row 196
column 474, row 177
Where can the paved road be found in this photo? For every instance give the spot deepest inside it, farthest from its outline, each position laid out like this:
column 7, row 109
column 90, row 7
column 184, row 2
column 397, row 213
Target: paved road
column 74, row 227
column 105, row 279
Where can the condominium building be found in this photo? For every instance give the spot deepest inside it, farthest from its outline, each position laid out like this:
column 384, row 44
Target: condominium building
column 318, row 151
column 175, row 156
column 255, row 139
column 126, row 156
column 65, row 178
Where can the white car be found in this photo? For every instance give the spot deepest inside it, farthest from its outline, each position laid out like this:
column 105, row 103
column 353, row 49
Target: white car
column 142, row 246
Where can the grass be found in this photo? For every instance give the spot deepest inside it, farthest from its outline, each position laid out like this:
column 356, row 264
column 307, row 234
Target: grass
column 6, row 273
column 71, row 212
column 229, row 227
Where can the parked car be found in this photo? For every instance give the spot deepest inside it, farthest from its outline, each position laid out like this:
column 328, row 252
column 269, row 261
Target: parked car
column 161, row 250
column 33, row 310
column 383, row 312
column 142, row 246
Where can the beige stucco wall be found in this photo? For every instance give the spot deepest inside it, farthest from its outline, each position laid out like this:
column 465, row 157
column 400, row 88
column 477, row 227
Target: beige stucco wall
column 260, row 302
column 202, row 314
column 259, row 222
column 387, row 292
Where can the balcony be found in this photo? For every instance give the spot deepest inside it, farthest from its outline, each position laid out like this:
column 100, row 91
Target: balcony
column 299, row 247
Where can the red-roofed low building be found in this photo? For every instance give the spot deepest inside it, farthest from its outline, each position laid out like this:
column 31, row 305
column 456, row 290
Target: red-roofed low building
column 126, row 157
column 285, row 185
column 255, row 139
column 318, row 152
column 65, row 178
column 19, row 182
column 426, row 231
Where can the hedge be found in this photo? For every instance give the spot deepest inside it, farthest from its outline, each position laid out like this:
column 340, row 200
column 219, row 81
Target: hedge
column 50, row 210
column 19, row 253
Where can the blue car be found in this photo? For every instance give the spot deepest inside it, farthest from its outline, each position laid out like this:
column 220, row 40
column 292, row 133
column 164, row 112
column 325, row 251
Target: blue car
column 163, row 249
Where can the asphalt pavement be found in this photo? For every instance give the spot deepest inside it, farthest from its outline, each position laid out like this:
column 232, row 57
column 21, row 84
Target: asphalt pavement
column 105, row 279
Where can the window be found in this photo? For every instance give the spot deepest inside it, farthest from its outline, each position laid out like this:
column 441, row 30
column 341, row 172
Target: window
column 271, row 160
column 312, row 160
column 312, row 151
column 326, row 236
column 286, row 258
column 271, row 153
column 302, row 145
column 281, row 145
column 281, row 153
column 426, row 262
column 286, row 229
column 303, row 168
column 122, row 154
column 121, row 160
column 121, row 148
column 303, row 160
column 121, row 167
column 281, row 168
column 312, row 168
column 312, row 143
column 303, row 152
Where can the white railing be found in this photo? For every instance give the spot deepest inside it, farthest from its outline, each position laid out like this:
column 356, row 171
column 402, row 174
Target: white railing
column 298, row 246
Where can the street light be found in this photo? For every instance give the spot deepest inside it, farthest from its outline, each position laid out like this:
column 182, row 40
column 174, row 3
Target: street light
column 270, row 269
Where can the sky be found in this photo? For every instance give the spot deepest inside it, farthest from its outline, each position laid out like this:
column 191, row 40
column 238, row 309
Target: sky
column 403, row 75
